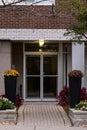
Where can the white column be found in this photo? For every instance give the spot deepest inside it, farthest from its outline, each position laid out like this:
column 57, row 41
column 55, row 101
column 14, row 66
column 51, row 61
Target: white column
column 60, row 68
column 5, row 61
column 78, row 57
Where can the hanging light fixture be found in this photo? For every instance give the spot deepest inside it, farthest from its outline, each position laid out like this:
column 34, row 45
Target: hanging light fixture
column 41, row 42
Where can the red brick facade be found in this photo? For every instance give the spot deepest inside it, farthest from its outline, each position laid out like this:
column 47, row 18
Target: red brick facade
column 39, row 17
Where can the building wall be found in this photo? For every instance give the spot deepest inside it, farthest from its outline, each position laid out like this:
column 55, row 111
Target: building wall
column 5, row 61
column 26, row 17
column 85, row 75
column 11, row 55
column 17, row 61
column 35, row 17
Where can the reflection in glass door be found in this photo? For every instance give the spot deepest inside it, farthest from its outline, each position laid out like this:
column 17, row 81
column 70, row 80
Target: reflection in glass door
column 41, row 76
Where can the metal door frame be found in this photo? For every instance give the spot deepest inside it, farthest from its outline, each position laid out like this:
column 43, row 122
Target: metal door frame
column 41, row 54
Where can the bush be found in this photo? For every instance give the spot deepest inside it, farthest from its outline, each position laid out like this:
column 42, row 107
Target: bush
column 83, row 94
column 18, row 101
column 63, row 98
column 6, row 104
column 81, row 106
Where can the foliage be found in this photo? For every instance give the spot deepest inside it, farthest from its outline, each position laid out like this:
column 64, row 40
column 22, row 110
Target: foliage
column 78, row 9
column 6, row 104
column 81, row 106
column 18, row 100
column 63, row 98
column 75, row 73
column 83, row 94
column 11, row 72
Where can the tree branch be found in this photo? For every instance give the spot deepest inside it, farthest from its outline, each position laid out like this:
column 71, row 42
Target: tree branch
column 19, row 1
column 11, row 3
column 3, row 2
column 84, row 35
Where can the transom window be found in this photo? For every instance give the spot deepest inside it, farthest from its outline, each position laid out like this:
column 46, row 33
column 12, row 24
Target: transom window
column 47, row 47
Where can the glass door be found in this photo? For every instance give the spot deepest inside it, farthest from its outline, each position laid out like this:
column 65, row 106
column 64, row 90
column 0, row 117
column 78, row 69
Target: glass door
column 50, row 66
column 32, row 76
column 41, row 76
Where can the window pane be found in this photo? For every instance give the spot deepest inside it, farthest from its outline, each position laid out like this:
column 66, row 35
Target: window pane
column 50, row 65
column 50, row 87
column 33, row 87
column 32, row 65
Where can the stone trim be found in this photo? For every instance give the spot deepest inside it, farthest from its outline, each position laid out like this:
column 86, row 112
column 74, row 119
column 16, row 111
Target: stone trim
column 33, row 34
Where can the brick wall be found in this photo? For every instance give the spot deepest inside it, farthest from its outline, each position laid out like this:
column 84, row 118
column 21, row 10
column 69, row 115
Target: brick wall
column 39, row 17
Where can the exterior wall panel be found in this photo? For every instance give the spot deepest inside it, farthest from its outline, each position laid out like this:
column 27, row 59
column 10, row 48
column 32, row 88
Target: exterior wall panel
column 17, row 61
column 85, row 70
column 5, row 61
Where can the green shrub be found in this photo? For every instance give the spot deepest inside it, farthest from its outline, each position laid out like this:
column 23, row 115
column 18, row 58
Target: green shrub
column 6, row 104
column 81, row 106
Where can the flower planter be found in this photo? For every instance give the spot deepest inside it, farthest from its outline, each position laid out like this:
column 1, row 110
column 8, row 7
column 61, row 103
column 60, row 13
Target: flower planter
column 9, row 115
column 10, row 87
column 75, row 90
column 78, row 117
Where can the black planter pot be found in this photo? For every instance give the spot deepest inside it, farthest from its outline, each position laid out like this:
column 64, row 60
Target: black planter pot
column 75, row 90
column 10, row 88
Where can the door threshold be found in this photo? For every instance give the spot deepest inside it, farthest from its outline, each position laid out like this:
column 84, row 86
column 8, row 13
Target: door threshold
column 40, row 100
column 40, row 103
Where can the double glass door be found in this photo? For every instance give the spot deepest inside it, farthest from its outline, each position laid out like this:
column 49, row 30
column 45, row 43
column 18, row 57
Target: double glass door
column 41, row 76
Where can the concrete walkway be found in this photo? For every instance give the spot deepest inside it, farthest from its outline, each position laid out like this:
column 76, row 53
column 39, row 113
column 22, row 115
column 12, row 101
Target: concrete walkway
column 41, row 116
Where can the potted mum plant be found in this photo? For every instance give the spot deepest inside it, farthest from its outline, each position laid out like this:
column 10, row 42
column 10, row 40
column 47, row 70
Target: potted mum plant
column 75, row 79
column 10, row 80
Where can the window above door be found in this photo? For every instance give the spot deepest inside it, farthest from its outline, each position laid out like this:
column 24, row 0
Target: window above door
column 47, row 47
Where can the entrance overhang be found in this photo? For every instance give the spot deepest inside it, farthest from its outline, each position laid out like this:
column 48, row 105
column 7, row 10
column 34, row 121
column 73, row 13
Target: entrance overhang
column 33, row 34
